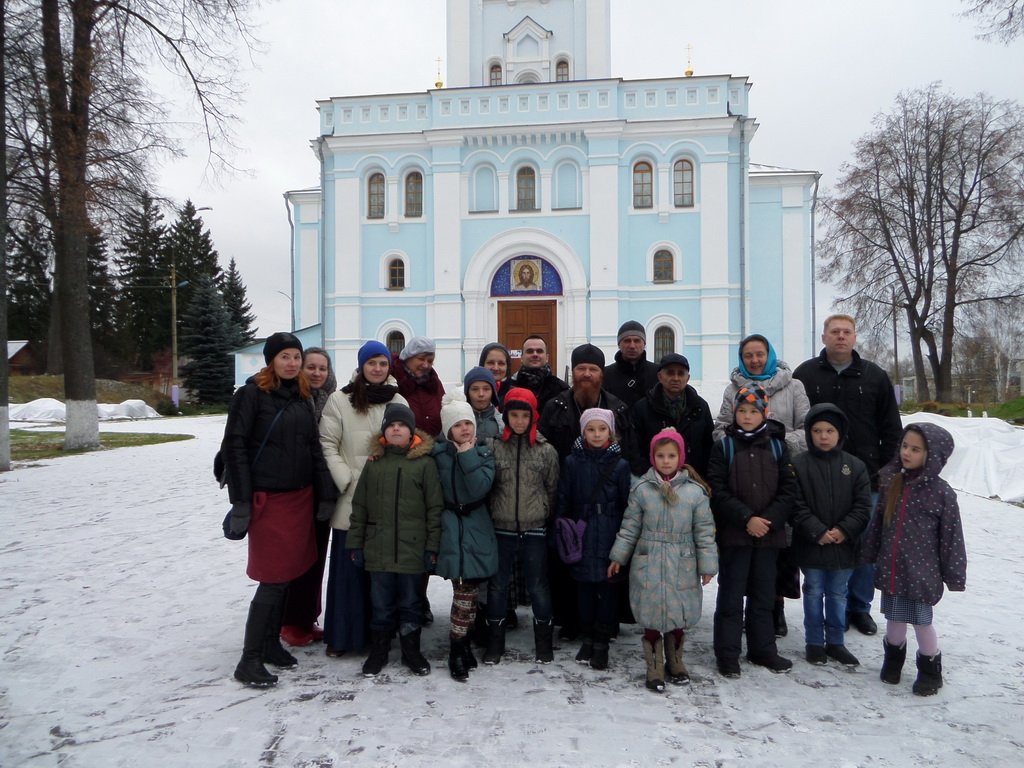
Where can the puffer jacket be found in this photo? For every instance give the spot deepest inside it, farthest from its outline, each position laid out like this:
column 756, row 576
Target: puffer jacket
column 594, row 486
column 864, row 393
column 488, row 425
column 834, row 491
column 787, row 404
column 754, row 483
column 396, row 509
column 468, row 547
column 628, row 381
column 923, row 546
column 291, row 458
column 651, row 415
column 525, row 483
column 346, row 436
column 671, row 546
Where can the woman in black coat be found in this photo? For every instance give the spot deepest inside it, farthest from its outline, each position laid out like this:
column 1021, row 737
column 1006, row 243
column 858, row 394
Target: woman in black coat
column 276, row 475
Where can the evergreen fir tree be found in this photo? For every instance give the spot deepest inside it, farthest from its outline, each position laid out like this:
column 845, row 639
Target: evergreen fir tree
column 104, row 307
column 191, row 250
column 207, row 339
column 29, row 284
column 144, row 271
column 238, row 304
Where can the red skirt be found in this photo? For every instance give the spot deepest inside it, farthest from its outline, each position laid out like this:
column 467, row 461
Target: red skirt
column 282, row 539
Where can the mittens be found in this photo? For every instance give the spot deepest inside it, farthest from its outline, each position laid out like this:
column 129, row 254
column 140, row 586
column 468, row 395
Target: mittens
column 241, row 513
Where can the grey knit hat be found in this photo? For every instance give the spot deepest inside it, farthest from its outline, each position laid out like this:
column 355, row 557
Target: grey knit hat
column 632, row 328
column 418, row 345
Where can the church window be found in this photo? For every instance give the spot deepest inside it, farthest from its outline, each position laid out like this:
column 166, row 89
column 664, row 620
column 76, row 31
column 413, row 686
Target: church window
column 682, row 184
column 395, row 342
column 664, row 342
column 495, row 74
column 396, row 275
column 375, row 197
column 562, row 71
column 484, row 194
column 663, row 268
column 414, row 195
column 526, row 189
column 643, row 185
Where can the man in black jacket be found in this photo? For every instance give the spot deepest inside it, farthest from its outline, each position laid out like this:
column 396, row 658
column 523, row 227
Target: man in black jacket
column 862, row 390
column 631, row 376
column 673, row 402
column 535, row 373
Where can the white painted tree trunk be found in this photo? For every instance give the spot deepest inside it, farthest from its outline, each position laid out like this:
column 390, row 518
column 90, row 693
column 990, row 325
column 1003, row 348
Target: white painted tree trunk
column 81, row 425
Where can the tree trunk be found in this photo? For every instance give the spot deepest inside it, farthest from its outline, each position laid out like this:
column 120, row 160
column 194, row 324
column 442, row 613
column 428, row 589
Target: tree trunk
column 5, row 370
column 920, row 379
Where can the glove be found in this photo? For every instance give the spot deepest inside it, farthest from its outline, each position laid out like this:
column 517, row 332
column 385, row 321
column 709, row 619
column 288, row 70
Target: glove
column 429, row 561
column 325, row 511
column 241, row 513
column 358, row 560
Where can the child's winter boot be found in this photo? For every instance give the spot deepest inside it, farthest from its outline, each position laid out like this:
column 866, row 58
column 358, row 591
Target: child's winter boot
column 599, row 656
column 543, row 641
column 675, row 668
column 457, row 659
column 892, row 666
column 586, row 644
column 380, row 644
column 654, row 655
column 411, row 656
column 495, row 641
column 929, row 675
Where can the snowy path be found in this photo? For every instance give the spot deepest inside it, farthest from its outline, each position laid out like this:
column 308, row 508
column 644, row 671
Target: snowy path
column 121, row 615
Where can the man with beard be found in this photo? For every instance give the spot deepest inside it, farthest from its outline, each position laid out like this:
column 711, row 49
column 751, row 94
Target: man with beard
column 672, row 402
column 632, row 375
column 535, row 374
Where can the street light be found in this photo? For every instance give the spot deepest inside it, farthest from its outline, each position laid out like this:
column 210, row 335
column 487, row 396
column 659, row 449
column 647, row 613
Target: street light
column 175, row 285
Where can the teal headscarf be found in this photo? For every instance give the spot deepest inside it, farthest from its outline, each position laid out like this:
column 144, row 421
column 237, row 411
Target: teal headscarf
column 771, row 366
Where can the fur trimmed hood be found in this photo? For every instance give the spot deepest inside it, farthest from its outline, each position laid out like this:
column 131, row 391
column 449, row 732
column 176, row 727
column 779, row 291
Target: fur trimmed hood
column 422, row 444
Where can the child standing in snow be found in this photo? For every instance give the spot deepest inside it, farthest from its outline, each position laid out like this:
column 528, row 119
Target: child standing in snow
column 395, row 533
column 668, row 524
column 469, row 552
column 479, row 388
column 916, row 543
column 594, row 488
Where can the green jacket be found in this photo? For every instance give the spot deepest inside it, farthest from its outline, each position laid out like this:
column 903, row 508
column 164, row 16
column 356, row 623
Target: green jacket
column 396, row 509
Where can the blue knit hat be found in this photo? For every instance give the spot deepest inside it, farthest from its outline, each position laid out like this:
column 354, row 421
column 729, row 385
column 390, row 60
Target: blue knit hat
column 372, row 348
column 476, row 374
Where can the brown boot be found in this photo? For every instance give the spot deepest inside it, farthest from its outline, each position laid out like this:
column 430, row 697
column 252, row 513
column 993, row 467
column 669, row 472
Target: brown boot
column 674, row 667
column 654, row 655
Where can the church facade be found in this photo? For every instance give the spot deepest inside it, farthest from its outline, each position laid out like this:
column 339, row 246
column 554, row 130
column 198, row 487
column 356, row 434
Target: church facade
column 535, row 193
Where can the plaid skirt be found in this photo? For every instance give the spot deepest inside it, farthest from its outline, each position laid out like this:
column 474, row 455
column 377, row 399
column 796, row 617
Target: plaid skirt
column 906, row 609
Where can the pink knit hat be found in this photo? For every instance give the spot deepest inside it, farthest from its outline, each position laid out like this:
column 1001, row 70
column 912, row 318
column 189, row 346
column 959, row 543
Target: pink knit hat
column 598, row 414
column 675, row 437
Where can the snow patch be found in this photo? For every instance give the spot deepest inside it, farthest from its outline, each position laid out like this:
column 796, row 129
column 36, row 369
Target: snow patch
column 48, row 409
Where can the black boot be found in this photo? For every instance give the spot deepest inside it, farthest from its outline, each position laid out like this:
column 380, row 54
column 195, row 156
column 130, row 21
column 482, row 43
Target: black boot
column 495, row 641
column 467, row 655
column 599, row 658
column 543, row 641
column 380, row 644
column 457, row 659
column 411, row 656
column 929, row 674
column 779, row 615
column 892, row 666
column 250, row 669
column 478, row 632
column 273, row 652
column 586, row 650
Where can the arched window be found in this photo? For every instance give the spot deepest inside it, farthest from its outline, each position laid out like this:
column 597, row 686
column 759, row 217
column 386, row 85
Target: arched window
column 484, row 195
column 664, row 342
column 396, row 275
column 495, row 74
column 663, row 268
column 395, row 342
column 643, row 185
column 682, row 184
column 414, row 195
column 562, row 71
column 375, row 197
column 526, row 189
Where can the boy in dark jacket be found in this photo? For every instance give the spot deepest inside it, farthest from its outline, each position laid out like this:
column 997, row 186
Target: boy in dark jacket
column 753, row 491
column 395, row 534
column 832, row 510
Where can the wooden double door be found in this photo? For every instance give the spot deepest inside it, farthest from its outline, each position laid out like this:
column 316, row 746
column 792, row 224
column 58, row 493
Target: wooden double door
column 519, row 319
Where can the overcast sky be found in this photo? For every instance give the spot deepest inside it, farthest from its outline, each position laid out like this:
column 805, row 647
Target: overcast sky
column 820, row 71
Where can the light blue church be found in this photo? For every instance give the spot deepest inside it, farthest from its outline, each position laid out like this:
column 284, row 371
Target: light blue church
column 535, row 193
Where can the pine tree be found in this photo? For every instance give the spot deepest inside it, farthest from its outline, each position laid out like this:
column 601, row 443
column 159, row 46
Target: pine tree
column 238, row 304
column 144, row 271
column 208, row 339
column 104, row 309
column 29, row 283
column 191, row 251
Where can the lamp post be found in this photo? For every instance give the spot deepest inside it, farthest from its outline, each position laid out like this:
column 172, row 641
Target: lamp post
column 174, row 316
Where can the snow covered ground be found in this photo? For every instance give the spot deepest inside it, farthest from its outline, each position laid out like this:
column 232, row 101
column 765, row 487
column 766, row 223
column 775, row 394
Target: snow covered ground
column 121, row 616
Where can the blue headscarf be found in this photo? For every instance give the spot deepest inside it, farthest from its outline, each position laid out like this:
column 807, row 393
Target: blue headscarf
column 771, row 366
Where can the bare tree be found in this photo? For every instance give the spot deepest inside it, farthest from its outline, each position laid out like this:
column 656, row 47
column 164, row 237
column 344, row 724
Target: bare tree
column 89, row 50
column 1001, row 20
column 5, row 372
column 931, row 208
column 1000, row 323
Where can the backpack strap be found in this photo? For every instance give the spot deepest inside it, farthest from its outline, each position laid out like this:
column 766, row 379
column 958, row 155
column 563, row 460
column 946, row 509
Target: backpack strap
column 730, row 449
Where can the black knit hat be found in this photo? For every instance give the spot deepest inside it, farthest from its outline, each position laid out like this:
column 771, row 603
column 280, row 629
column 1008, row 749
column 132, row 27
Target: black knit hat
column 279, row 341
column 400, row 413
column 632, row 328
column 587, row 353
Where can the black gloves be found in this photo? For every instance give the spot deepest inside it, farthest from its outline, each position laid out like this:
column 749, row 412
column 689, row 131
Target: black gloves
column 241, row 513
column 324, row 510
column 429, row 561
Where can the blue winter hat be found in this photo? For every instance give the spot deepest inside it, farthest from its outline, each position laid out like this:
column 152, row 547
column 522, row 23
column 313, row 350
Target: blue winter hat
column 372, row 348
column 476, row 374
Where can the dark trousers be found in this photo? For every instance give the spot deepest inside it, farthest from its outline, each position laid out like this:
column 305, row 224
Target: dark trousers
column 396, row 602
column 598, row 603
column 303, row 606
column 564, row 603
column 746, row 571
column 532, row 550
